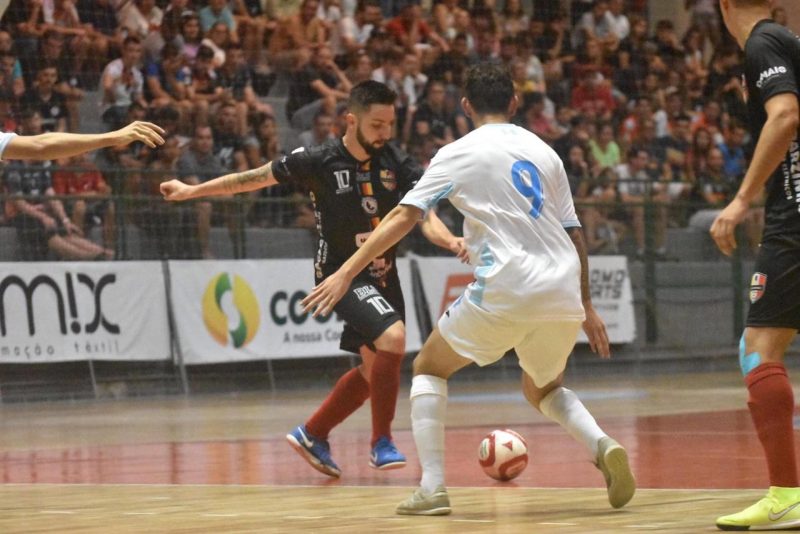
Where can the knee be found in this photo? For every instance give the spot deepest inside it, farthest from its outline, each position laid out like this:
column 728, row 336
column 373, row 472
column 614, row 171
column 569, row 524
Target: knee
column 393, row 339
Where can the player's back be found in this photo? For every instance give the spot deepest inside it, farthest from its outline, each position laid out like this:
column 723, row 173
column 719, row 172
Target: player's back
column 513, row 192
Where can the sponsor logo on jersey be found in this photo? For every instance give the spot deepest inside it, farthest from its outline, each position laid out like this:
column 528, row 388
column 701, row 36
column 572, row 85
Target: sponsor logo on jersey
column 342, row 181
column 370, row 205
column 770, row 73
column 388, row 180
column 758, row 284
column 362, row 177
column 362, row 238
column 365, row 292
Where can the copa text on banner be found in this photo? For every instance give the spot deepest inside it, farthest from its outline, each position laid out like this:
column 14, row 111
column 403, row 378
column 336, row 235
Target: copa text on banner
column 67, row 311
column 227, row 311
column 444, row 280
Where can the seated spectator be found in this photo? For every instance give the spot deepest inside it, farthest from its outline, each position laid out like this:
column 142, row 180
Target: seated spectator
column 670, row 49
column 263, row 146
column 216, row 12
column 61, row 17
column 93, row 206
column 252, row 25
column 320, row 85
column 235, row 78
column 444, row 16
column 198, row 164
column 41, row 222
column 698, row 152
column 205, row 90
column 190, row 37
column 167, row 83
column 100, row 20
column 297, row 36
column 122, row 84
column 172, row 227
column 139, row 18
column 605, row 151
column 432, row 116
column 360, row 68
column 354, row 32
column 673, row 149
column 13, row 81
column 513, row 19
column 51, row 50
column 638, row 182
column 42, row 97
column 732, row 149
column 452, row 65
column 228, row 143
column 595, row 24
column 538, row 120
column 123, row 165
column 577, row 134
column 592, row 96
column 319, row 133
column 411, row 32
column 715, row 188
column 218, row 39
column 619, row 24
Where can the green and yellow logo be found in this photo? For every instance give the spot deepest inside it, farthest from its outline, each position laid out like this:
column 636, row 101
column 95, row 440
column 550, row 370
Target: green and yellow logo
column 245, row 302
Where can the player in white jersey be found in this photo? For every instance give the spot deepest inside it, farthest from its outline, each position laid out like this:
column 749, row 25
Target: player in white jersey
column 57, row 145
column 531, row 289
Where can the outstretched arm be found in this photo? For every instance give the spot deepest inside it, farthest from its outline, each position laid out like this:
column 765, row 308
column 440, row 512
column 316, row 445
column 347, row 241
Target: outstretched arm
column 392, row 228
column 440, row 235
column 56, row 145
column 229, row 184
column 594, row 326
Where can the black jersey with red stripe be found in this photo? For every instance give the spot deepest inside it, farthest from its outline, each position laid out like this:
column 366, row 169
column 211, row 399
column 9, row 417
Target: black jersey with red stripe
column 350, row 198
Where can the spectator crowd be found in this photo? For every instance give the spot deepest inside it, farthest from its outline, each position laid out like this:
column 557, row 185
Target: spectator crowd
column 636, row 110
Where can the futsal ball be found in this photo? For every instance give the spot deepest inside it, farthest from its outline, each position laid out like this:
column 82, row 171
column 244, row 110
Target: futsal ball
column 503, row 454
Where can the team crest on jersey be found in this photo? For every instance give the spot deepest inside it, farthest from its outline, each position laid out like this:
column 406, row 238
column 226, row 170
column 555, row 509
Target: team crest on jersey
column 388, row 179
column 758, row 284
column 370, row 205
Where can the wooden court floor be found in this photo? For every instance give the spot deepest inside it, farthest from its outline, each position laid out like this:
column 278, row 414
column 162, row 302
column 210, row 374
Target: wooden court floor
column 221, row 463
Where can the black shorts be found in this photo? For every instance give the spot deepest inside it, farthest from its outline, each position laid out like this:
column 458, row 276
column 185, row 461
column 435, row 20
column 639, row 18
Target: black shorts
column 775, row 286
column 34, row 236
column 368, row 310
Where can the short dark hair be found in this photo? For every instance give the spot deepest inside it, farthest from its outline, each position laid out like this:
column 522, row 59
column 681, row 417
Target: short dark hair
column 489, row 88
column 370, row 92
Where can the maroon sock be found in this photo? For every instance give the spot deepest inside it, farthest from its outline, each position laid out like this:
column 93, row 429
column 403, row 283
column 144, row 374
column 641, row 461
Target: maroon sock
column 347, row 396
column 384, row 382
column 771, row 404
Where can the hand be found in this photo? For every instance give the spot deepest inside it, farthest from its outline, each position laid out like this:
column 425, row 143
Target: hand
column 49, row 222
column 146, row 132
column 72, row 228
column 324, row 296
column 458, row 248
column 722, row 231
column 176, row 191
column 595, row 330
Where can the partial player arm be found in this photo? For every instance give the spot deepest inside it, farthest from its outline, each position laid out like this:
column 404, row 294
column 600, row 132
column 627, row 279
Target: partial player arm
column 594, row 326
column 392, row 229
column 57, row 145
column 783, row 120
column 440, row 235
column 240, row 182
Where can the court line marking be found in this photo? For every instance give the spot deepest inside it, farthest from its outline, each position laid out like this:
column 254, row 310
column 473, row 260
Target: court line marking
column 303, row 517
column 559, row 524
column 57, row 512
column 139, row 513
column 472, row 520
column 220, row 515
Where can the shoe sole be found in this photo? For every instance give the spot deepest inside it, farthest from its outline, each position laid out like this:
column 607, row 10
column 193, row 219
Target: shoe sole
column 623, row 485
column 442, row 510
column 387, row 467
column 791, row 525
column 310, row 459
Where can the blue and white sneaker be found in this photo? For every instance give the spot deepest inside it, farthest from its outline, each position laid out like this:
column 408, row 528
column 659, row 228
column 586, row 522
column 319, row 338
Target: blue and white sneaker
column 315, row 451
column 386, row 456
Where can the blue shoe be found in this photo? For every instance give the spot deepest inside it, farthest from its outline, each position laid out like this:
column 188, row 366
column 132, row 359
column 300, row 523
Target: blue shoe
column 315, row 451
column 386, row 456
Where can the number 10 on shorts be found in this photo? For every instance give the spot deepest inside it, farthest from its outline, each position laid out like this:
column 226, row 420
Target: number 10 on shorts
column 381, row 305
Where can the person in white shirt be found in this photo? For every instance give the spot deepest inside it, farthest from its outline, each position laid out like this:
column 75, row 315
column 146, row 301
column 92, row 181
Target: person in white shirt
column 531, row 290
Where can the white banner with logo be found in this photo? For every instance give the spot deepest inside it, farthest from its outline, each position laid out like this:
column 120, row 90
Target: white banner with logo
column 67, row 311
column 227, row 311
column 444, row 279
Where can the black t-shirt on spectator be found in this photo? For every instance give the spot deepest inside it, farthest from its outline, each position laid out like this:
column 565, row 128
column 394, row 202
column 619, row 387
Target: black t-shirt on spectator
column 302, row 93
column 236, row 82
column 30, row 178
column 51, row 110
column 438, row 121
column 772, row 67
column 225, row 146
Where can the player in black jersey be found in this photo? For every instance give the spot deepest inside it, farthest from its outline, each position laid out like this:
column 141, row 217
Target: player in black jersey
column 772, row 78
column 354, row 182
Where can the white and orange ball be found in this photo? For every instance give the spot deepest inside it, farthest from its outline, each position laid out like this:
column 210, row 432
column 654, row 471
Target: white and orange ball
column 503, row 454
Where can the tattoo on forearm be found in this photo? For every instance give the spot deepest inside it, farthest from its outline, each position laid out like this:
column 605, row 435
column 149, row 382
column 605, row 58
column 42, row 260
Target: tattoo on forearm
column 235, row 182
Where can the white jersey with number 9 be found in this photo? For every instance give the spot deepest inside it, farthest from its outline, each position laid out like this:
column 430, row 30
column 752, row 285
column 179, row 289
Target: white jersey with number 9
column 513, row 191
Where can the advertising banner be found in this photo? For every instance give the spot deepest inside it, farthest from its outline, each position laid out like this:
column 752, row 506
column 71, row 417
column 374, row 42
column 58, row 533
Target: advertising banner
column 227, row 311
column 67, row 311
column 444, row 280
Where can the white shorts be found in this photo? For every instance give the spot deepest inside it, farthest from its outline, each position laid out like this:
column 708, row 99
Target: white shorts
column 542, row 346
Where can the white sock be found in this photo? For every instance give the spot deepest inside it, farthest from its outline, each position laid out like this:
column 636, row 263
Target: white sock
column 428, row 408
column 564, row 407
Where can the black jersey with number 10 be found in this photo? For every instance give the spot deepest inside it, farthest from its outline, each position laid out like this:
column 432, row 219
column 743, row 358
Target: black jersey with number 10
column 772, row 67
column 350, row 198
